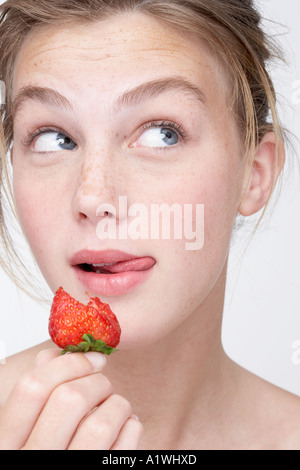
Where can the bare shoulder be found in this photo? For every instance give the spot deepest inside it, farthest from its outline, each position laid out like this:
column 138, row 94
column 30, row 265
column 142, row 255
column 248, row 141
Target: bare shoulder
column 17, row 365
column 276, row 413
column 288, row 417
column 286, row 409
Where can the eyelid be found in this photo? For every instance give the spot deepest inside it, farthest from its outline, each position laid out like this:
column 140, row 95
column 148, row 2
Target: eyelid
column 164, row 124
column 168, row 124
column 32, row 136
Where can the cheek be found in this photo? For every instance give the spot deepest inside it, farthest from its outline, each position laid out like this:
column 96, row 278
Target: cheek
column 220, row 197
column 217, row 193
column 215, row 190
column 36, row 210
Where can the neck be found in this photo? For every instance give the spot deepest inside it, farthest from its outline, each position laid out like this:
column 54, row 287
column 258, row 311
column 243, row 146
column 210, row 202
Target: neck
column 180, row 380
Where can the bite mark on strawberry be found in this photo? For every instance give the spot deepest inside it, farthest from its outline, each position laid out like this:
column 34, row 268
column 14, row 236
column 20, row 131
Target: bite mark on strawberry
column 76, row 327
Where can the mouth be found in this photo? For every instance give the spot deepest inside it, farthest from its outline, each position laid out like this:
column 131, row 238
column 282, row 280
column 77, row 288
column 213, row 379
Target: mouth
column 97, row 268
column 111, row 273
column 135, row 264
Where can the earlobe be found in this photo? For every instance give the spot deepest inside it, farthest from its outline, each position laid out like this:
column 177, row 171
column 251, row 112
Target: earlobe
column 266, row 168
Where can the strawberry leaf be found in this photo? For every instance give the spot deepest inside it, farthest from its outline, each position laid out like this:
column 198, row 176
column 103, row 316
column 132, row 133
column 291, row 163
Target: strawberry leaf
column 89, row 339
column 89, row 343
column 70, row 348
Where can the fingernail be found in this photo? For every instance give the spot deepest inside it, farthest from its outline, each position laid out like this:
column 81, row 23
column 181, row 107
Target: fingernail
column 135, row 417
column 98, row 360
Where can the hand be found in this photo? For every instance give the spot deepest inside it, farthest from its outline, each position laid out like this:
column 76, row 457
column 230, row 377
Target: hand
column 65, row 403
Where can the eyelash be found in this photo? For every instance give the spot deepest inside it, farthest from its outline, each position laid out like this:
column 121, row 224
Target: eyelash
column 169, row 124
column 31, row 136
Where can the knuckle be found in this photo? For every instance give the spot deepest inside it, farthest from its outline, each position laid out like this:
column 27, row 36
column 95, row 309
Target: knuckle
column 40, row 357
column 122, row 403
column 138, row 427
column 99, row 429
column 32, row 387
column 45, row 356
column 68, row 396
column 106, row 385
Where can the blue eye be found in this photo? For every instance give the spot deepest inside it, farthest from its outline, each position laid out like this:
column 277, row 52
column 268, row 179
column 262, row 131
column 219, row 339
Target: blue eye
column 53, row 141
column 158, row 137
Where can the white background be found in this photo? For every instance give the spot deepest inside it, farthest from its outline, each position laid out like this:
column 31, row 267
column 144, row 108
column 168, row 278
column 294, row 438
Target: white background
column 262, row 309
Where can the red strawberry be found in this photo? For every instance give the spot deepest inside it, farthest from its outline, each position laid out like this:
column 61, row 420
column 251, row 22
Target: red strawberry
column 76, row 327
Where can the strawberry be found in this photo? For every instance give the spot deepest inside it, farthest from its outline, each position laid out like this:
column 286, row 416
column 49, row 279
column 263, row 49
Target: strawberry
column 76, row 327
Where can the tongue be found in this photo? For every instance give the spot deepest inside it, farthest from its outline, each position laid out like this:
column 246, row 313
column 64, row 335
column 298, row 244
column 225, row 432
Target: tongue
column 138, row 264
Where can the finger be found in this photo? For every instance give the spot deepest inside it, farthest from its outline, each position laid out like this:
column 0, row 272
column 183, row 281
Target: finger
column 45, row 356
column 32, row 391
column 130, row 437
column 67, row 406
column 101, row 428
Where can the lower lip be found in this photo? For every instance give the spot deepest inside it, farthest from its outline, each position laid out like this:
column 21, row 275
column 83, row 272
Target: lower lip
column 112, row 285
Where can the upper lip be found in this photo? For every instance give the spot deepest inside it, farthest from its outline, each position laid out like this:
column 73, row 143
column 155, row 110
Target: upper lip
column 99, row 257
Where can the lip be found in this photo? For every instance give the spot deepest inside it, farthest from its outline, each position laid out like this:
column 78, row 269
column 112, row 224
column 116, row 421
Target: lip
column 132, row 272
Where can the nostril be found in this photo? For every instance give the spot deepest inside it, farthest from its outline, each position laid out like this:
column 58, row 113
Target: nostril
column 104, row 214
column 83, row 216
column 106, row 210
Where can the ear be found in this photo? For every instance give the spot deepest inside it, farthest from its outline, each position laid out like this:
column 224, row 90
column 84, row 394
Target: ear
column 266, row 168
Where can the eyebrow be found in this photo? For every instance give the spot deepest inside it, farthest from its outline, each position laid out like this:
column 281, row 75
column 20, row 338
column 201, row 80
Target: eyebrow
column 42, row 95
column 154, row 88
column 130, row 98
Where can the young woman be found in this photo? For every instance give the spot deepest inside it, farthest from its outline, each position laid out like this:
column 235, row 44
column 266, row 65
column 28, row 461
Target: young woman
column 152, row 102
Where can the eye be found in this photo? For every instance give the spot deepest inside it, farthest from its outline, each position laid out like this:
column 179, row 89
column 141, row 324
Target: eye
column 53, row 141
column 158, row 137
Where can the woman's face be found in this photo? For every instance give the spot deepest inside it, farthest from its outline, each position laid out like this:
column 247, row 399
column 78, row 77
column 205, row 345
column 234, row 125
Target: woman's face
column 113, row 120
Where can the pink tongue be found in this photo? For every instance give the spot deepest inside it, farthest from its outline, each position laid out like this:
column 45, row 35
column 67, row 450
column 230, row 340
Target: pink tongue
column 138, row 264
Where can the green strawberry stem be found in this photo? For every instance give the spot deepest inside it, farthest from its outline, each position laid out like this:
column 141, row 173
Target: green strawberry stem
column 89, row 343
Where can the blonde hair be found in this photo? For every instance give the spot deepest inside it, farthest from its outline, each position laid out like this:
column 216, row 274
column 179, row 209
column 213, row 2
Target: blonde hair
column 232, row 28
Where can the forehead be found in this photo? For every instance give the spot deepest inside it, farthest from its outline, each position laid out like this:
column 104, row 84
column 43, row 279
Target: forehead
column 106, row 57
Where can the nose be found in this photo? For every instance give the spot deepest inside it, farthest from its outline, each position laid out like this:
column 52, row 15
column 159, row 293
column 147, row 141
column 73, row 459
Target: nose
column 97, row 189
